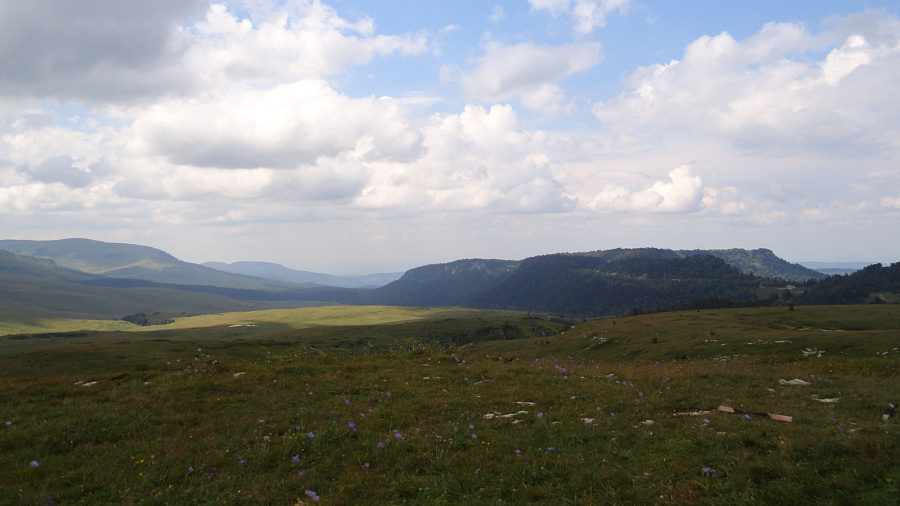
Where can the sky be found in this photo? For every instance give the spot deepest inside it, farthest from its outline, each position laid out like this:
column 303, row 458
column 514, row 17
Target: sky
column 353, row 137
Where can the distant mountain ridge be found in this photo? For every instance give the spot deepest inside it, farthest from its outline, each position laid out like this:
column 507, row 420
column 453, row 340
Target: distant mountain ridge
column 85, row 277
column 279, row 272
column 582, row 284
column 32, row 286
column 120, row 260
column 449, row 284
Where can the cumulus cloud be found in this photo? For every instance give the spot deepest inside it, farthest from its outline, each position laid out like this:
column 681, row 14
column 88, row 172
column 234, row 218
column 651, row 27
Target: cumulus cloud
column 298, row 40
column 478, row 159
column 529, row 71
column 88, row 49
column 141, row 50
column 683, row 192
column 764, row 92
column 586, row 14
column 281, row 127
column 59, row 169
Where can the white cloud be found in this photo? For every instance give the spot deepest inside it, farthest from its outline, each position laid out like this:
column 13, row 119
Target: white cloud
column 281, row 127
column 58, row 169
column 88, row 50
column 529, row 71
column 682, row 193
column 141, row 50
column 586, row 14
column 758, row 95
column 478, row 159
column 296, row 41
column 497, row 14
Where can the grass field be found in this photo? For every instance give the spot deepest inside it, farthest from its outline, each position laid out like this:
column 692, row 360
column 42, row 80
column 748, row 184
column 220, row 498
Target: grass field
column 398, row 406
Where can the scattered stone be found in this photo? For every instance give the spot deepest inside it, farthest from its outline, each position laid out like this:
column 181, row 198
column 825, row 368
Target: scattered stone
column 771, row 416
column 888, row 413
column 793, row 382
column 690, row 413
column 238, row 374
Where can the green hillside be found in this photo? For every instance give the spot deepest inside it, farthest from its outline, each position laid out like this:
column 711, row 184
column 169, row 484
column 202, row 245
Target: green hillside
column 761, row 262
column 29, row 267
column 598, row 285
column 129, row 261
column 450, row 284
column 32, row 295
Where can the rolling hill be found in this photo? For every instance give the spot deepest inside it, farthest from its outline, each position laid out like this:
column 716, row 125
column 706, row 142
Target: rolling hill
column 80, row 277
column 271, row 270
column 129, row 261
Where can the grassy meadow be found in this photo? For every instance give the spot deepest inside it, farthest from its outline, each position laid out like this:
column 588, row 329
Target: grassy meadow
column 450, row 406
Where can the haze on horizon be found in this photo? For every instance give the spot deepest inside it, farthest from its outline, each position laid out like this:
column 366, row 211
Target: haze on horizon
column 356, row 137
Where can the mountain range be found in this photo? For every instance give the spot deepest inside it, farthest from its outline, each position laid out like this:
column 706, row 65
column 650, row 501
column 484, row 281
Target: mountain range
column 86, row 278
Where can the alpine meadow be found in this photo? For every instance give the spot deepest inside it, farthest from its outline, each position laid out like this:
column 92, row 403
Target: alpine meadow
column 393, row 252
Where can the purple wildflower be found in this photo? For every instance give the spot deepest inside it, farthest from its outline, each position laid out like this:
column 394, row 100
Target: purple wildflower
column 346, row 401
column 518, row 451
column 190, row 469
column 310, row 435
column 34, row 463
column 474, row 436
column 388, row 394
column 747, row 417
column 266, row 438
column 302, row 473
column 366, row 465
column 708, row 471
column 540, row 414
column 296, row 459
column 261, row 420
column 471, row 426
column 398, row 436
column 312, row 495
column 242, row 461
column 381, row 444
